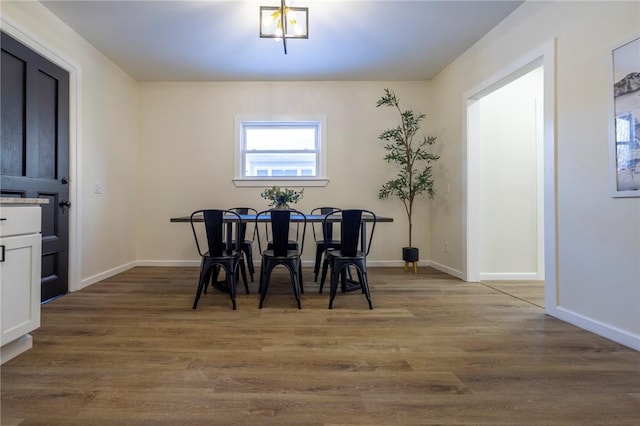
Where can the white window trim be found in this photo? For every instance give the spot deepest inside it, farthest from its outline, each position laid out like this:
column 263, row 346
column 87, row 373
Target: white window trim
column 241, row 181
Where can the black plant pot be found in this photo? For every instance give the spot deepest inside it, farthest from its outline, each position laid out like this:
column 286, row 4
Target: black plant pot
column 410, row 254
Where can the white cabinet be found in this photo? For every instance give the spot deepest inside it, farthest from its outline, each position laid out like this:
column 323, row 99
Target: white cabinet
column 20, row 264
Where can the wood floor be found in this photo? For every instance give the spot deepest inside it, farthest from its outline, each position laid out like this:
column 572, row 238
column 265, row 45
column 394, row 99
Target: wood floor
column 528, row 291
column 434, row 350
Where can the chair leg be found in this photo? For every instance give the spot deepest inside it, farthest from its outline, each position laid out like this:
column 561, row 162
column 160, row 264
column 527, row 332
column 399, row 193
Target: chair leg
column 264, row 285
column 364, row 284
column 333, row 289
column 201, row 284
column 325, row 266
column 343, row 278
column 231, row 284
column 316, row 266
column 212, row 275
column 300, row 276
column 250, row 266
column 240, row 266
column 295, row 283
column 243, row 265
column 208, row 278
column 261, row 280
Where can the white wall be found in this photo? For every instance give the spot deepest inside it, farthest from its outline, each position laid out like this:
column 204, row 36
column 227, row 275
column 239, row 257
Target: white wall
column 508, row 180
column 181, row 131
column 104, row 145
column 598, row 237
column 186, row 151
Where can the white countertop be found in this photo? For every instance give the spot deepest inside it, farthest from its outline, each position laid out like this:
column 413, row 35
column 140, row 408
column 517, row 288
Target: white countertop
column 12, row 200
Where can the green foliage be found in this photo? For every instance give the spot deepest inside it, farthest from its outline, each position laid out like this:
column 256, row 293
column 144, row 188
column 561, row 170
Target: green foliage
column 411, row 156
column 279, row 196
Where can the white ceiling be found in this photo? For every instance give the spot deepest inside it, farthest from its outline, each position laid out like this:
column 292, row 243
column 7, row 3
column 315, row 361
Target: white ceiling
column 218, row 40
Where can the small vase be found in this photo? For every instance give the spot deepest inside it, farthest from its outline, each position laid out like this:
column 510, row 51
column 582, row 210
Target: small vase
column 284, row 206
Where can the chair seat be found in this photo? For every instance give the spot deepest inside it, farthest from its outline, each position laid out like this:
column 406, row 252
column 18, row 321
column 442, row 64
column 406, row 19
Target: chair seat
column 337, row 253
column 227, row 254
column 290, row 253
column 328, row 243
column 291, row 245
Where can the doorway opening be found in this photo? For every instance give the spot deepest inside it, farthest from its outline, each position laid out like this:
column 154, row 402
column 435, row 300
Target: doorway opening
column 509, row 192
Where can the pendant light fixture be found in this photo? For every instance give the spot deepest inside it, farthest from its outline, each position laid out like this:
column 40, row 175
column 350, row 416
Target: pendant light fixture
column 283, row 22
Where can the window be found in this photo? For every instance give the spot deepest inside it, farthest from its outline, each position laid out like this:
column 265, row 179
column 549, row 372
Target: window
column 269, row 151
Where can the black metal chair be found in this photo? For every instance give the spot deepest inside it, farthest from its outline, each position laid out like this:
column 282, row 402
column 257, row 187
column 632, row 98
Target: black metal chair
column 323, row 238
column 353, row 251
column 220, row 252
column 246, row 245
column 280, row 250
column 293, row 243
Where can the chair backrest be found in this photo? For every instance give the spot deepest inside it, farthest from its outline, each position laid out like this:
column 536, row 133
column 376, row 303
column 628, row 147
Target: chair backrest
column 327, row 227
column 350, row 226
column 280, row 234
column 216, row 237
column 243, row 211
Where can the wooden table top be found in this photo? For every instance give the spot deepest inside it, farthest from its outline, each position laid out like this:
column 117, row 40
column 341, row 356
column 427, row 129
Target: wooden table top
column 310, row 218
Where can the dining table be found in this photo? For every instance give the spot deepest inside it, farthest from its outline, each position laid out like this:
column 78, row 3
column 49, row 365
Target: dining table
column 311, row 218
column 351, row 285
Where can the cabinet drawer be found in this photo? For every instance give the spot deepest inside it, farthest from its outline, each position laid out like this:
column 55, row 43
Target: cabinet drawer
column 18, row 220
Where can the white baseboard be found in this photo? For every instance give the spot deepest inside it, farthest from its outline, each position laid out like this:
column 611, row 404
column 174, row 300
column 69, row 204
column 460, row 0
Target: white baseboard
column 107, row 274
column 447, row 270
column 168, row 263
column 508, row 276
column 601, row 329
column 305, row 263
column 195, row 263
column 386, row 263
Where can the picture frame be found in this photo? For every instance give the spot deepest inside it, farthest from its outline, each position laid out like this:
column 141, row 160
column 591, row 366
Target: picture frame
column 624, row 122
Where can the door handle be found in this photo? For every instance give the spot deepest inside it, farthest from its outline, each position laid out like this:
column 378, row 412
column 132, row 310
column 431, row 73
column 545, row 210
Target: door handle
column 64, row 204
column 2, row 253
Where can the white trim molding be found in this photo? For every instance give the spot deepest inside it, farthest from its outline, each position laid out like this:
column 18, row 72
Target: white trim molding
column 601, row 329
column 446, row 269
column 544, row 56
column 239, row 180
column 107, row 274
column 39, row 46
column 509, row 276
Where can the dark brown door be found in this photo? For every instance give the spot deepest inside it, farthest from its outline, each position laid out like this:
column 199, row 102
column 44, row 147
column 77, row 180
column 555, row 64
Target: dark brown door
column 34, row 150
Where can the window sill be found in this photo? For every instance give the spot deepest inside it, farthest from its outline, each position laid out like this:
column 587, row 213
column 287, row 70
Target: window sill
column 248, row 182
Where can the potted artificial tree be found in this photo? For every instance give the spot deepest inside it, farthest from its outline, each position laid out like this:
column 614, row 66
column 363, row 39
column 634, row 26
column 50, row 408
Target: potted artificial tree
column 414, row 165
